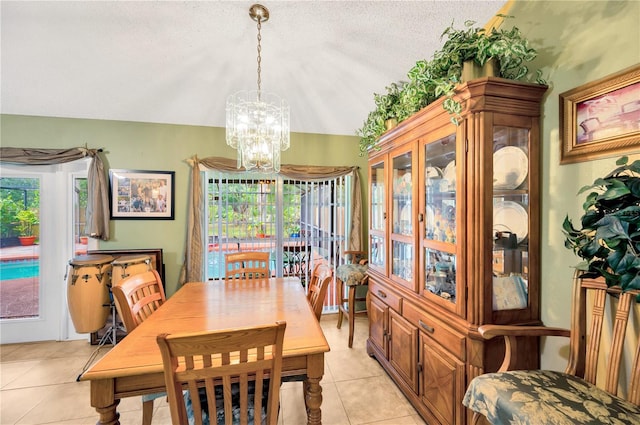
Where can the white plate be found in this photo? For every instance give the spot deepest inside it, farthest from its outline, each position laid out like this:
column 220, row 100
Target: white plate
column 407, row 177
column 510, row 167
column 431, row 217
column 434, row 173
column 449, row 174
column 511, row 217
column 405, row 213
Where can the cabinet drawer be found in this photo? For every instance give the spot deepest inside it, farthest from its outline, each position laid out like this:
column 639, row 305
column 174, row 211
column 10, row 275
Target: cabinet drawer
column 390, row 298
column 448, row 338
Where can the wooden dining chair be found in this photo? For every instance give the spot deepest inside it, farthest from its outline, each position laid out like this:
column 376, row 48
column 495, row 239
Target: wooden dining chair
column 318, row 284
column 136, row 298
column 225, row 373
column 247, row 265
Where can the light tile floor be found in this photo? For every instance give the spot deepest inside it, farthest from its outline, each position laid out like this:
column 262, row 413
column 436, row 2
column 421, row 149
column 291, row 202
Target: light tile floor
column 38, row 386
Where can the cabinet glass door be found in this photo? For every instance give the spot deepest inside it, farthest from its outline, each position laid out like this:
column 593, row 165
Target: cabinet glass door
column 402, row 218
column 377, row 220
column 510, row 217
column 439, row 218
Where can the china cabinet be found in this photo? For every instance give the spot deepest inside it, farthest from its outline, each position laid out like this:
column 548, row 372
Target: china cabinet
column 454, row 240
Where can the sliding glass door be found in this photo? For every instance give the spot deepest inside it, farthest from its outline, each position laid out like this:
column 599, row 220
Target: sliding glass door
column 300, row 223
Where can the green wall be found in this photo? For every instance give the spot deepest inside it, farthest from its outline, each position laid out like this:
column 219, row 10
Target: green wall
column 144, row 146
column 578, row 42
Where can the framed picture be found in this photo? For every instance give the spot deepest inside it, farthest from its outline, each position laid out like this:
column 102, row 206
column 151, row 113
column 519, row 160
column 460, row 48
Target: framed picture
column 142, row 195
column 601, row 118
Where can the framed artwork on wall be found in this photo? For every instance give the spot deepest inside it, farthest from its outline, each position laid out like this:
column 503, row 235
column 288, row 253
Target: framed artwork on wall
column 142, row 195
column 601, row 118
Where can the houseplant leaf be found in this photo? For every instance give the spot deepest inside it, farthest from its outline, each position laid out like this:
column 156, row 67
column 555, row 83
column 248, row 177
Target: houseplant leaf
column 609, row 240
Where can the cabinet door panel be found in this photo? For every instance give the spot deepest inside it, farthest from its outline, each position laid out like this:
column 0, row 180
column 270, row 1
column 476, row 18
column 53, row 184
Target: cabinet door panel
column 403, row 211
column 378, row 324
column 403, row 348
column 442, row 382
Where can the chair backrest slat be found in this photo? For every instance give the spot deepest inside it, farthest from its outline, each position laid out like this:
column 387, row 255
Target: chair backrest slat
column 634, row 387
column 621, row 319
column 593, row 347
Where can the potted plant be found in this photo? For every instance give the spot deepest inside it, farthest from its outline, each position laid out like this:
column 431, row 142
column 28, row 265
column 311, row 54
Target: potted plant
column 609, row 238
column 507, row 50
column 27, row 220
column 473, row 52
column 386, row 115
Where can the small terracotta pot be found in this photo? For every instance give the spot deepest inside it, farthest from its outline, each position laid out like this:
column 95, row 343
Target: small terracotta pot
column 27, row 240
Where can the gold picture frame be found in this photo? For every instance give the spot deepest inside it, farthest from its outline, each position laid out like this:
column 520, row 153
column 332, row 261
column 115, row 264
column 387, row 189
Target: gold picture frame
column 601, row 118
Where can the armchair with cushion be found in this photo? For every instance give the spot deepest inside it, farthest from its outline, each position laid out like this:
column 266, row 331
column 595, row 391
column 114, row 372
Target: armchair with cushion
column 584, row 393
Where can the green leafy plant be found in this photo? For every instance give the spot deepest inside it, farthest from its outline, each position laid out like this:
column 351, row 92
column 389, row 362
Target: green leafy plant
column 387, row 107
column 609, row 239
column 27, row 219
column 439, row 77
column 8, row 210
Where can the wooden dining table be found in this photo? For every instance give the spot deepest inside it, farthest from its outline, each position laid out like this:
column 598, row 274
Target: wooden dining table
column 134, row 366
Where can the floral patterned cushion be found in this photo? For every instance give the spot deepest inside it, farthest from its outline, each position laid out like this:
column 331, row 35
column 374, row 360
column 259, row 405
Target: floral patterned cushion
column 235, row 402
column 544, row 397
column 352, row 274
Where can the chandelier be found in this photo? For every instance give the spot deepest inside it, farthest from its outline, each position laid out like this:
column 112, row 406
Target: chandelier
column 258, row 122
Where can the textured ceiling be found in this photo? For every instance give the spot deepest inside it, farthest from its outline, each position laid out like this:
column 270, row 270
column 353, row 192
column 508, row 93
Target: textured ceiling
column 176, row 62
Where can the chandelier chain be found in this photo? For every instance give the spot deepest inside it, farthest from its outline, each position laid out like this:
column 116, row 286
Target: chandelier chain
column 259, row 57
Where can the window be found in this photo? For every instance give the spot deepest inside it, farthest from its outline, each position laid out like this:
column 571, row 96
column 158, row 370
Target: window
column 38, row 272
column 20, row 225
column 300, row 223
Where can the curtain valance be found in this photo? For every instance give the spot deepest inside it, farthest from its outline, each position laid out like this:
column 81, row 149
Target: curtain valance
column 98, row 190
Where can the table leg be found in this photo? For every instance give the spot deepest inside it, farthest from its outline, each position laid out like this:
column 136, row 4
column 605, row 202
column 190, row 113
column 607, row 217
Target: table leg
column 103, row 400
column 313, row 390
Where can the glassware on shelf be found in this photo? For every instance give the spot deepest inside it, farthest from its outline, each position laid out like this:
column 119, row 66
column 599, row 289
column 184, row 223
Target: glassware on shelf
column 440, row 273
column 402, row 260
column 378, row 193
column 440, row 190
column 376, row 257
column 402, row 212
